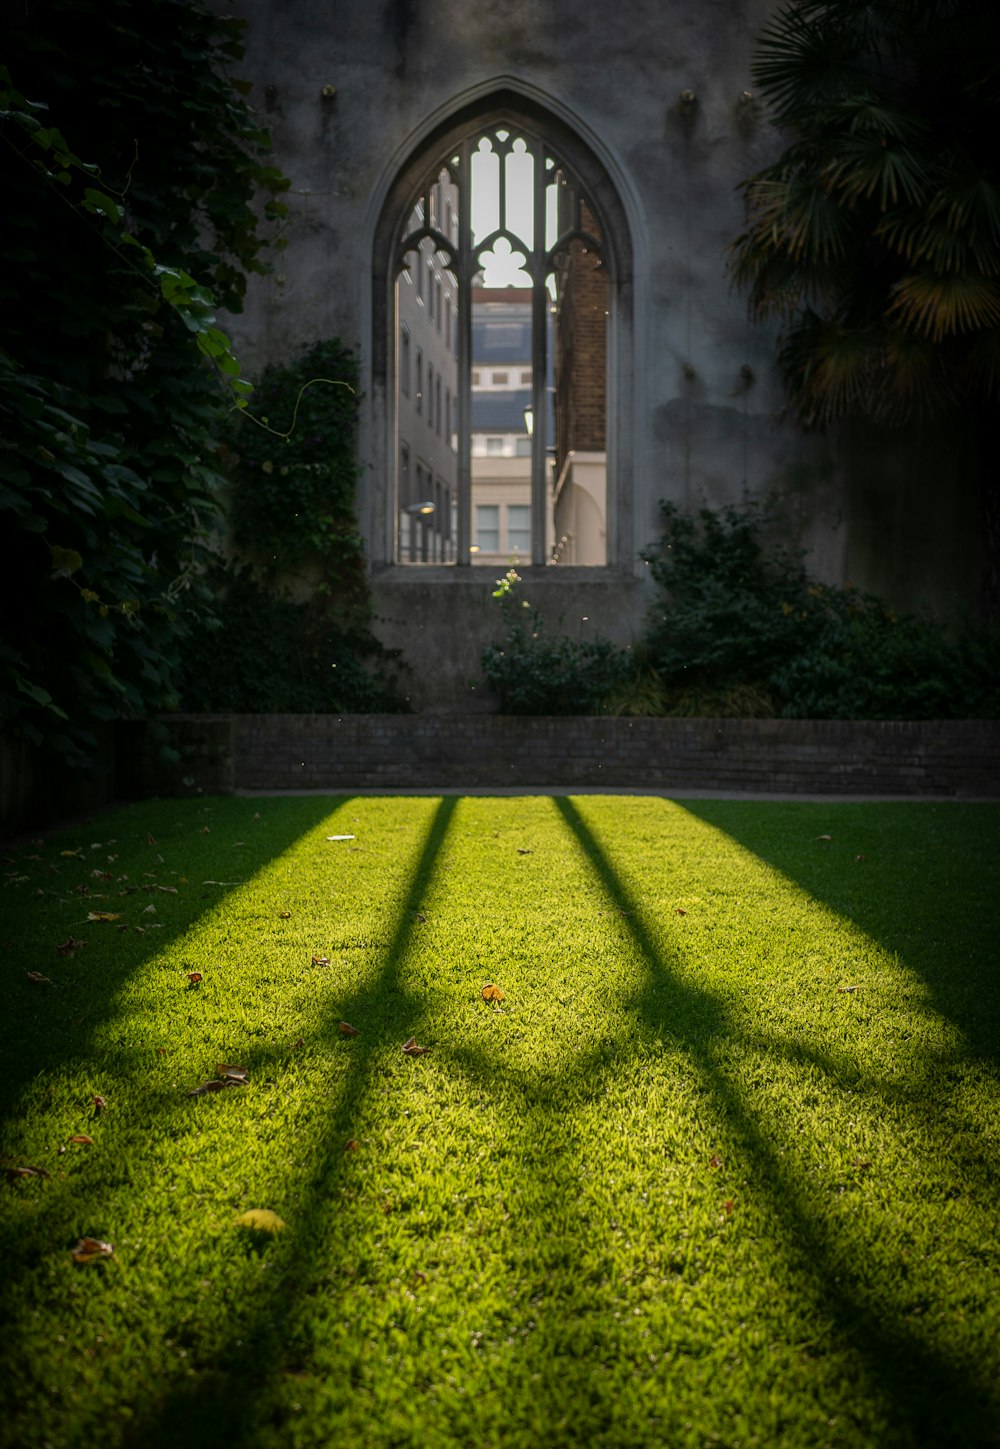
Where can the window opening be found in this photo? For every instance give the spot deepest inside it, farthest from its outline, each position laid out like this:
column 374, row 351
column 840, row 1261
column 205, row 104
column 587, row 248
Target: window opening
column 515, row 332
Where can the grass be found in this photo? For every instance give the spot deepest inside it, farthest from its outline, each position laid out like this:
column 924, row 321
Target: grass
column 679, row 1188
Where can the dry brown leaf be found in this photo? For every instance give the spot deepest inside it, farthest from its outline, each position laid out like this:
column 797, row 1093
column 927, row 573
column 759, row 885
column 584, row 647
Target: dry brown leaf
column 715, row 1160
column 491, row 992
column 523, row 850
column 351, row 1145
column 419, row 1276
column 205, row 830
column 38, row 978
column 91, row 1250
column 421, row 917
column 846, row 990
column 679, row 911
column 13, row 1173
column 861, row 857
column 150, row 838
column 104, row 915
column 824, row 837
column 861, row 1164
column 99, row 1102
column 412, row 1050
column 321, row 960
column 346, row 1029
column 194, row 977
column 161, row 1051
column 728, row 1206
column 299, row 1041
column 82, row 1139
column 285, row 915
column 70, row 945
column 261, row 1219
column 217, row 1084
column 231, row 1071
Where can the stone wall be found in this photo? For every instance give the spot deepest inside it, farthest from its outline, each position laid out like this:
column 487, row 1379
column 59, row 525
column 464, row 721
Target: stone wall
column 220, row 753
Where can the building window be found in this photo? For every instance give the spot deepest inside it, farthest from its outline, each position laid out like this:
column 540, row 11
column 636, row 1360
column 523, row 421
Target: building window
column 517, row 200
column 420, row 381
column 488, row 527
column 518, row 528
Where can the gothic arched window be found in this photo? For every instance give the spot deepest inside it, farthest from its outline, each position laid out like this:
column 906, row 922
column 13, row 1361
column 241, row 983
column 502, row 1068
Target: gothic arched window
column 502, row 254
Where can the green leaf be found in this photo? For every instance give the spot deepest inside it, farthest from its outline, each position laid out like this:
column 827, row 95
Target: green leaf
column 65, row 561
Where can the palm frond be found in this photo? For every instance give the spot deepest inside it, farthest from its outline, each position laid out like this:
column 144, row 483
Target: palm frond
column 864, row 166
column 937, row 306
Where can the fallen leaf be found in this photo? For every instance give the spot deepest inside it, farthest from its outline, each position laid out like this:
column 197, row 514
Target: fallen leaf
column 420, row 916
column 491, row 992
column 299, row 1041
column 346, row 1029
column 860, row 1164
column 161, row 1051
column 205, row 830
column 99, row 1102
column 352, row 1145
column 523, row 850
column 285, row 915
column 194, row 977
column 861, row 857
column 232, row 1071
column 13, row 1173
column 412, row 1050
column 419, row 1276
column 261, row 1219
column 728, row 1206
column 91, row 1250
column 679, row 911
column 217, row 1084
column 846, row 990
column 341, row 837
column 150, row 838
column 256, row 814
column 104, row 915
column 715, row 1160
column 38, row 978
column 101, row 875
column 69, row 852
column 82, row 1139
column 824, row 837
column 149, row 910
column 70, row 945
column 321, row 960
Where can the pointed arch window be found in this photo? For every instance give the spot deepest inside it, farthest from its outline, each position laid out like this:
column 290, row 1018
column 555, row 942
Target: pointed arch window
column 519, row 242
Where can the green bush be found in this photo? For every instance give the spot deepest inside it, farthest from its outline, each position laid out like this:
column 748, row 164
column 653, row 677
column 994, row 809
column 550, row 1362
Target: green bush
column 534, row 672
column 737, row 615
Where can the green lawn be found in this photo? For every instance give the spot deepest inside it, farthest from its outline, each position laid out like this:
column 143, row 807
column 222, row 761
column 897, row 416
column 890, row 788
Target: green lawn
column 720, row 1169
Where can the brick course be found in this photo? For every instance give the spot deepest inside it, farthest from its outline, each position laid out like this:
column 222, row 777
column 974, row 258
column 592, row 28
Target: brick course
column 220, row 753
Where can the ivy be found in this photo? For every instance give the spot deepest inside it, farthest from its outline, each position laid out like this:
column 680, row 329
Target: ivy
column 131, row 166
column 293, row 627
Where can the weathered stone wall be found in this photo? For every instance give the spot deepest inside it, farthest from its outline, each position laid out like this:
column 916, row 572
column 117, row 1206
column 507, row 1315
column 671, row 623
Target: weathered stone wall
column 659, row 92
column 394, row 752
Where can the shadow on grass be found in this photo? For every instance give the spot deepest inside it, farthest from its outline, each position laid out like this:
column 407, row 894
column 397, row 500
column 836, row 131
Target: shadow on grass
column 72, row 1014
column 224, row 1406
column 930, row 1399
column 949, row 933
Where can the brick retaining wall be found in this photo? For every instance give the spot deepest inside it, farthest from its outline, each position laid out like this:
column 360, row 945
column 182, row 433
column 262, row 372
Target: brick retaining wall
column 220, row 753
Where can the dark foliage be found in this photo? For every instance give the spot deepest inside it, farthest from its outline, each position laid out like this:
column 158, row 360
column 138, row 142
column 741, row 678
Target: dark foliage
column 125, row 143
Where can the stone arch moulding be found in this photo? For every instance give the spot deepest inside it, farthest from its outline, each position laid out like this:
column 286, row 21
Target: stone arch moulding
column 517, row 104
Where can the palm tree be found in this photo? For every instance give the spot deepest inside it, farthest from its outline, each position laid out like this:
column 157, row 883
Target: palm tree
column 875, row 236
